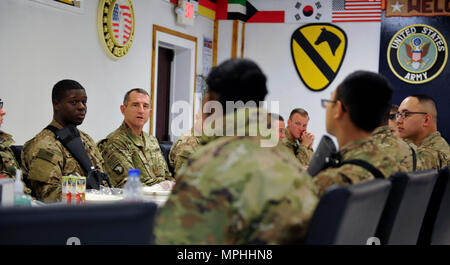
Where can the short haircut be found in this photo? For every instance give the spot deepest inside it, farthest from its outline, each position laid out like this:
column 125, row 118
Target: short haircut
column 273, row 117
column 60, row 88
column 394, row 108
column 425, row 99
column 300, row 111
column 139, row 90
column 367, row 97
column 237, row 80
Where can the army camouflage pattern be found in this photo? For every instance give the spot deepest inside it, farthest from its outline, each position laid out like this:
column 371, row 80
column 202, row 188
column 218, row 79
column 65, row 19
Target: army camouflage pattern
column 45, row 160
column 395, row 147
column 364, row 149
column 303, row 154
column 122, row 150
column 233, row 191
column 434, row 151
column 8, row 163
column 182, row 149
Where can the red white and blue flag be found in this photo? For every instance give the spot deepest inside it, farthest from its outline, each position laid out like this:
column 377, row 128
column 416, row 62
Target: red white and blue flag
column 356, row 11
column 122, row 22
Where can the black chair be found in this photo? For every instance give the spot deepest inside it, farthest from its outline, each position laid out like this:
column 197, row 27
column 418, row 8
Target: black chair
column 165, row 148
column 405, row 208
column 17, row 150
column 436, row 223
column 100, row 224
column 348, row 215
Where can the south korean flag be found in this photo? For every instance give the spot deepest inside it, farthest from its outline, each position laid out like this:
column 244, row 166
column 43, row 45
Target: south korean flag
column 308, row 11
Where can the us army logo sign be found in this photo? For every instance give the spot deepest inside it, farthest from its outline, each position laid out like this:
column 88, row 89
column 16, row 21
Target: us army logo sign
column 318, row 51
column 417, row 54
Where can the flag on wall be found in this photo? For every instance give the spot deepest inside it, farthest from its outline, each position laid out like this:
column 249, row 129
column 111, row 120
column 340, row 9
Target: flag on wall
column 207, row 8
column 356, row 11
column 237, row 9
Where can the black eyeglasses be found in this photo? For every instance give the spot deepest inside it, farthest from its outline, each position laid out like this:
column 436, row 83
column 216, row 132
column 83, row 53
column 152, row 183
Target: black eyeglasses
column 407, row 113
column 1, row 104
column 325, row 102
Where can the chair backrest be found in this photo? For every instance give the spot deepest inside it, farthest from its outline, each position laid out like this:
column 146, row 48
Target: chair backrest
column 101, row 224
column 165, row 148
column 405, row 208
column 17, row 150
column 436, row 223
column 348, row 215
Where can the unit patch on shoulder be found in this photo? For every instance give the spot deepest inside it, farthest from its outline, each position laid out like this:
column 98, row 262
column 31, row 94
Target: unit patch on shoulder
column 417, row 54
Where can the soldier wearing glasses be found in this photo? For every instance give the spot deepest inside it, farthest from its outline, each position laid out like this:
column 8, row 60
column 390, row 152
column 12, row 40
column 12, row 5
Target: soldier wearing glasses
column 352, row 119
column 417, row 122
column 404, row 153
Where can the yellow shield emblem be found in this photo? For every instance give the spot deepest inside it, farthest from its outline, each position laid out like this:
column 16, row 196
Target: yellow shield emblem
column 318, row 51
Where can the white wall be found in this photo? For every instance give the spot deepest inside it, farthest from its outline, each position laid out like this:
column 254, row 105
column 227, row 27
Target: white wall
column 269, row 45
column 41, row 45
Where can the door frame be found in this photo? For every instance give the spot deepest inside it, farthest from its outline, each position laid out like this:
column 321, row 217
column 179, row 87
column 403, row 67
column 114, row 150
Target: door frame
column 162, row 35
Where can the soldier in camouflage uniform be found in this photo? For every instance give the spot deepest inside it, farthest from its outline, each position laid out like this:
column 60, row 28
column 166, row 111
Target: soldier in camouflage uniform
column 297, row 139
column 8, row 163
column 394, row 146
column 44, row 158
column 130, row 147
column 417, row 122
column 352, row 118
column 182, row 149
column 233, row 191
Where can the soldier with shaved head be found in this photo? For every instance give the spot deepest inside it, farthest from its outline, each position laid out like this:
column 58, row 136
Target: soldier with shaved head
column 417, row 122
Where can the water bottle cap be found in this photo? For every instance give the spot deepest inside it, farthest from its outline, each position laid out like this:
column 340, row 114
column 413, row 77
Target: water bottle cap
column 134, row 172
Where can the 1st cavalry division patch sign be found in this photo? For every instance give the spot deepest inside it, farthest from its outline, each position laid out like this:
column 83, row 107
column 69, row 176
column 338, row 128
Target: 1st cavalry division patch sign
column 318, row 51
column 116, row 26
column 417, row 54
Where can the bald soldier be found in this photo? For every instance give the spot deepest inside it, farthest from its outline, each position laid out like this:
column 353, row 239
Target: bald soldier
column 358, row 106
column 394, row 146
column 130, row 147
column 186, row 145
column 233, row 190
column 44, row 158
column 417, row 122
column 297, row 139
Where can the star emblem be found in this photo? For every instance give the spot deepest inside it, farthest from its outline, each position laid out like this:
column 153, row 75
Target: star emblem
column 397, row 7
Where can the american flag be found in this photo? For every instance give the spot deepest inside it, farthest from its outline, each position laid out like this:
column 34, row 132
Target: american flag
column 356, row 11
column 121, row 22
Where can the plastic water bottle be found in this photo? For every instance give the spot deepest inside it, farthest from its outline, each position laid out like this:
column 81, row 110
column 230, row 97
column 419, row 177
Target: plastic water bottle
column 20, row 199
column 133, row 187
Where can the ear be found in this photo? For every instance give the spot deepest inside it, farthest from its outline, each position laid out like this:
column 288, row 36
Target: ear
column 428, row 120
column 338, row 110
column 55, row 105
column 122, row 109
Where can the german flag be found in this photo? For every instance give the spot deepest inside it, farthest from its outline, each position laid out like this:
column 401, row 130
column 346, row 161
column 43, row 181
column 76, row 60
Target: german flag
column 207, row 8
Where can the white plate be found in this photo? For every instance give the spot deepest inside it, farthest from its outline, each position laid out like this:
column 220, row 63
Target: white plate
column 155, row 190
column 99, row 198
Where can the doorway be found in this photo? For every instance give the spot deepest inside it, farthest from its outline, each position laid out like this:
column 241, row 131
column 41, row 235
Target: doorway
column 174, row 63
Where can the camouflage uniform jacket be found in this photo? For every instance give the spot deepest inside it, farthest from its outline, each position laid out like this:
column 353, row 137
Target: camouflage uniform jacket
column 45, row 160
column 233, row 191
column 123, row 149
column 303, row 154
column 396, row 148
column 364, row 149
column 434, row 151
column 8, row 163
column 182, row 149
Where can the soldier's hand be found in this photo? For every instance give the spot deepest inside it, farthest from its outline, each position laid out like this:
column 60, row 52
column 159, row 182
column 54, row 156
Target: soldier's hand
column 307, row 139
